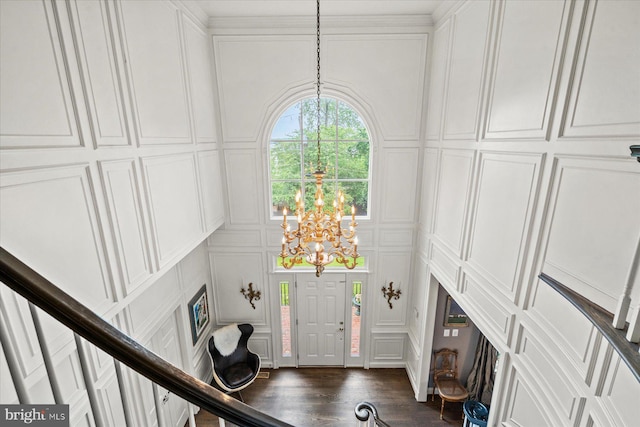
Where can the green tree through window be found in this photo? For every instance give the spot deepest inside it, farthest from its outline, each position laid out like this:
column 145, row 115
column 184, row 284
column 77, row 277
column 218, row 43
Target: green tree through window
column 345, row 153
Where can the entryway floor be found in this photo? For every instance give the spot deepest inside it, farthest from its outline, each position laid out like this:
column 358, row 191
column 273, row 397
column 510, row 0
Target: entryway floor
column 313, row 397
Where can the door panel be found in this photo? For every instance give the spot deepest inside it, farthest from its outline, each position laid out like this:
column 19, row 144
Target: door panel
column 321, row 303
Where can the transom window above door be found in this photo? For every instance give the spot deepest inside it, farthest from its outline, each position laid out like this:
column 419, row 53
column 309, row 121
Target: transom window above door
column 344, row 148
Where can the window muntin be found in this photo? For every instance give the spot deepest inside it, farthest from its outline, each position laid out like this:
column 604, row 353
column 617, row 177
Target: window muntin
column 345, row 153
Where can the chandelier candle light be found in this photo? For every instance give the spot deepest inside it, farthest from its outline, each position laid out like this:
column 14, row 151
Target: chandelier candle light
column 319, row 225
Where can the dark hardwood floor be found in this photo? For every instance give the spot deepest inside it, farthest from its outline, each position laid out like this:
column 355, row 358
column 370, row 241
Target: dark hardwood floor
column 327, row 396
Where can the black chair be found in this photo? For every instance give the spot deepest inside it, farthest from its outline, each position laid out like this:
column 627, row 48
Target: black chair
column 234, row 366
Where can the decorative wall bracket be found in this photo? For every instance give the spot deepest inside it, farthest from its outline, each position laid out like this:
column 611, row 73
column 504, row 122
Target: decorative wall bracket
column 390, row 293
column 251, row 295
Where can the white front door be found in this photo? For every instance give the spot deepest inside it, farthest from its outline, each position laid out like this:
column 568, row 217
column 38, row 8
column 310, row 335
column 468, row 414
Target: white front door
column 320, row 308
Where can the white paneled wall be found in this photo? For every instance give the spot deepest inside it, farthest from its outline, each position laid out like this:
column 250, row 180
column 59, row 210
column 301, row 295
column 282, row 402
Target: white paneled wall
column 110, row 176
column 546, row 186
column 499, row 140
column 264, row 67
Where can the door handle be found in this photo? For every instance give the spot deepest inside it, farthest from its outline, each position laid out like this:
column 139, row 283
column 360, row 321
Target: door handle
column 341, row 329
column 165, row 399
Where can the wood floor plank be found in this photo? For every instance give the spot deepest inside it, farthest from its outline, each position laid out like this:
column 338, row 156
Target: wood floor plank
column 319, row 397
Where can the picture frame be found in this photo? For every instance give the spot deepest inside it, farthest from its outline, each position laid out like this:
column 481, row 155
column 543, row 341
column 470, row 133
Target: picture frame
column 199, row 316
column 454, row 316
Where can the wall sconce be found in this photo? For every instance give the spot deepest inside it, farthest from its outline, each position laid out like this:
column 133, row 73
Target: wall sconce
column 390, row 293
column 251, row 295
column 635, row 151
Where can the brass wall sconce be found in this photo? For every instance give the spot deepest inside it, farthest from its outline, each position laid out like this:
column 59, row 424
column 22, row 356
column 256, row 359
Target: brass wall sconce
column 390, row 293
column 251, row 295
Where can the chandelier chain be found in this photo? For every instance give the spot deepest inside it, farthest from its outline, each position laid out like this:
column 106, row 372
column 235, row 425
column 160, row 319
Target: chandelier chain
column 318, row 166
column 319, row 226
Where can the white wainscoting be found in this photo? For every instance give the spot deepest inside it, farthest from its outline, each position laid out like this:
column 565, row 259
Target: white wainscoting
column 232, row 272
column 39, row 78
column 154, row 61
column 244, row 193
column 99, row 50
column 529, row 44
column 174, row 203
column 453, row 197
column 500, row 227
column 466, row 71
column 603, row 99
column 439, row 68
column 398, row 195
column 252, row 68
column 209, row 170
column 353, row 61
column 392, row 267
column 127, row 220
column 43, row 210
column 596, row 263
column 198, row 57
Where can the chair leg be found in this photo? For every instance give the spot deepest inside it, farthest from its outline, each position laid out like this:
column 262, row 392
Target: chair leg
column 441, row 407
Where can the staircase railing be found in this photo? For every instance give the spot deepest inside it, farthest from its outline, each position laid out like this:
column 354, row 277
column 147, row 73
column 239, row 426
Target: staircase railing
column 364, row 410
column 84, row 322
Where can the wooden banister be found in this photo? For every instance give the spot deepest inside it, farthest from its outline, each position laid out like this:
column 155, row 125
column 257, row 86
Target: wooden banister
column 603, row 321
column 77, row 317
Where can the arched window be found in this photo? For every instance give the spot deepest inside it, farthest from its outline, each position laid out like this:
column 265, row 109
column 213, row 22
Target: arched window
column 344, row 147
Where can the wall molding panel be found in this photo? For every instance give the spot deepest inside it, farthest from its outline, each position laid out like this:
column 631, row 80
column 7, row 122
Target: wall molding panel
column 352, row 61
column 530, row 41
column 124, row 204
column 562, row 323
column 466, row 71
column 45, row 209
column 430, row 164
column 387, row 349
column 439, row 73
column 559, row 384
column 520, row 405
column 39, row 84
column 97, row 46
column 154, row 59
column 399, row 167
column 260, row 60
column 242, row 173
column 604, row 97
column 446, row 264
column 453, row 197
column 499, row 238
column 594, row 264
column 171, row 183
column 620, row 392
column 197, row 49
column 211, row 189
column 231, row 272
column 393, row 267
column 491, row 310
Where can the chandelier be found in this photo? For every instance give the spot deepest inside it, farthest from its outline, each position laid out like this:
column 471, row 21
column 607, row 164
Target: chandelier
column 319, row 237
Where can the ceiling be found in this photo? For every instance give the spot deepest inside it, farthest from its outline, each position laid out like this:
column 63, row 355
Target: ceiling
column 246, row 8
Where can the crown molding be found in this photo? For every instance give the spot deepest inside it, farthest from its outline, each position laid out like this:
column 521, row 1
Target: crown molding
column 329, row 24
column 193, row 9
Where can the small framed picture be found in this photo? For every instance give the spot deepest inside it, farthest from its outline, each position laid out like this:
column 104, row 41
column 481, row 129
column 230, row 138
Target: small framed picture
column 199, row 313
column 453, row 315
